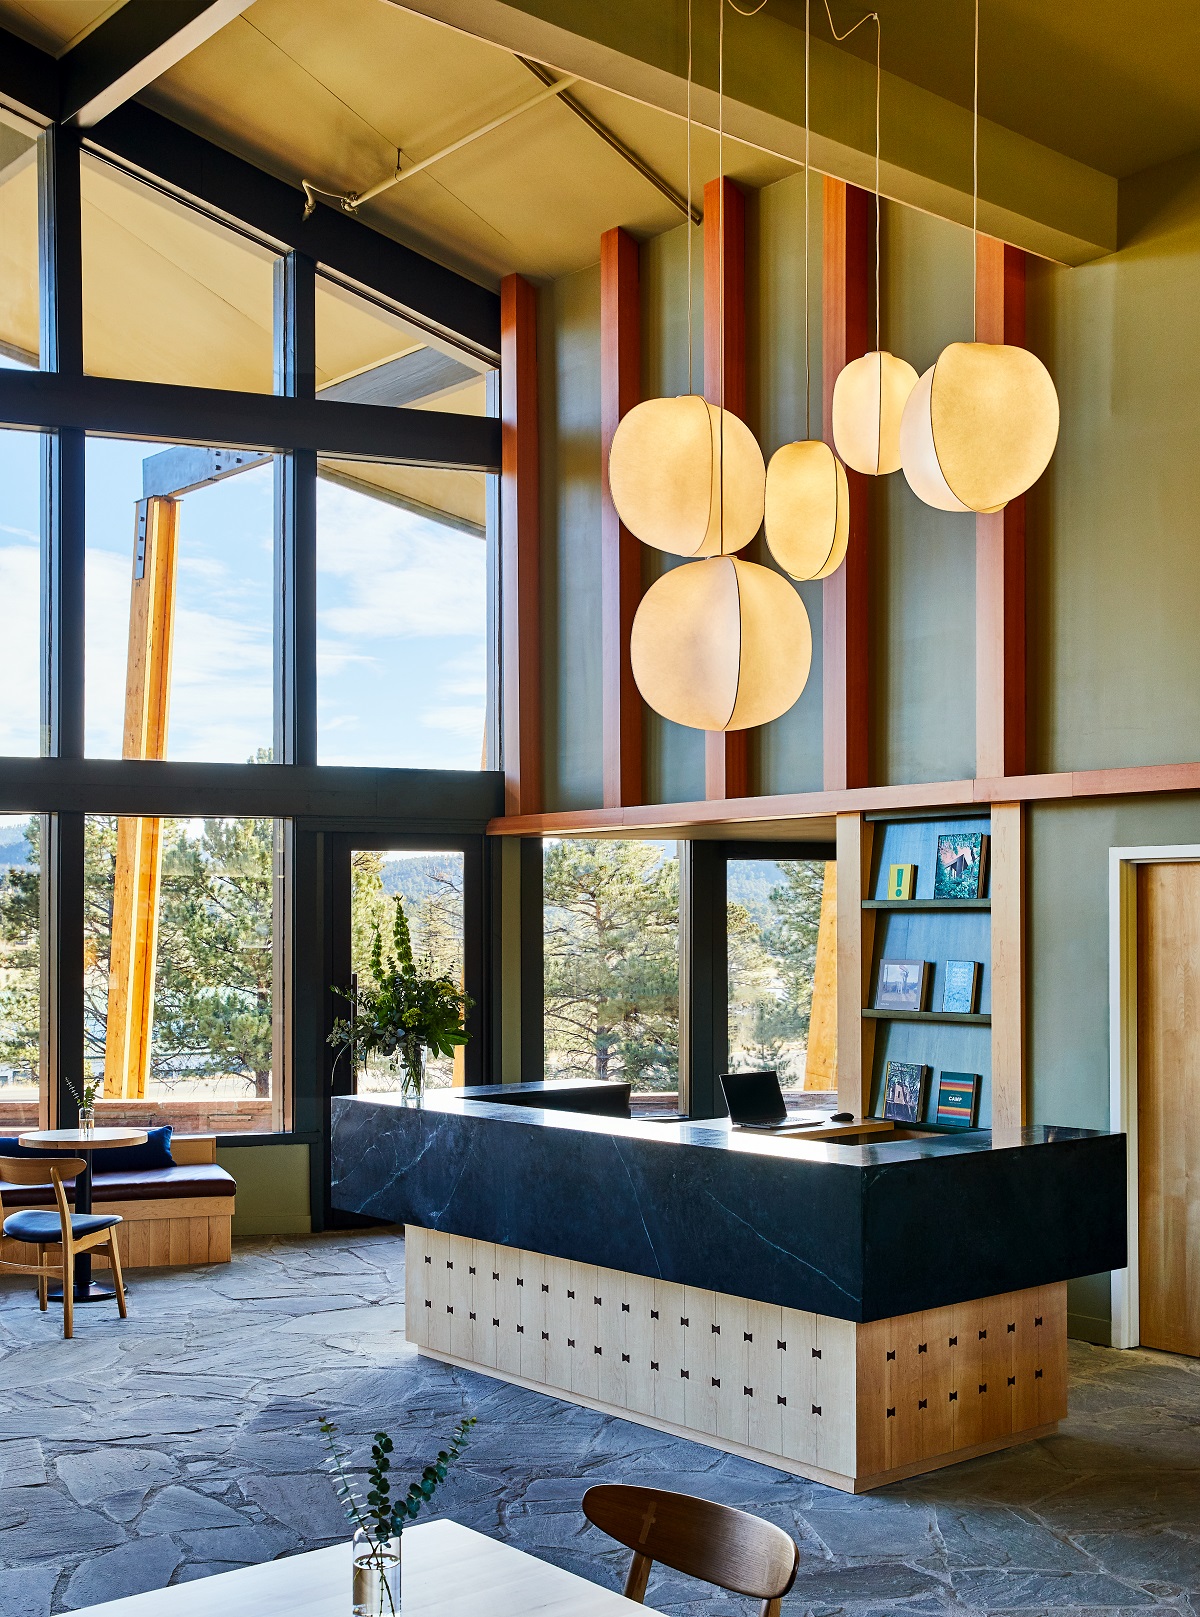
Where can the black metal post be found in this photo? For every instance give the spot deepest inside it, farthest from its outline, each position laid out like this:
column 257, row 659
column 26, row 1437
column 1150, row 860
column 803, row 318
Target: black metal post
column 703, row 978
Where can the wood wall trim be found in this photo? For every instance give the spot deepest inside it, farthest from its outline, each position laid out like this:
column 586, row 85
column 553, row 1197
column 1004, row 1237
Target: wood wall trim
column 1000, row 651
column 845, row 603
column 1138, row 781
column 520, row 549
column 620, row 552
column 1009, row 1097
column 726, row 753
column 855, row 941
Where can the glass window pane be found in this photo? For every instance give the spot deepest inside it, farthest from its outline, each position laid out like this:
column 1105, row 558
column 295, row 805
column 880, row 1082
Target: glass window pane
column 20, row 970
column 19, row 306
column 611, row 941
column 214, row 649
column 20, row 550
column 368, row 354
column 178, row 1020
column 170, row 295
column 773, row 924
column 430, row 888
column 402, row 666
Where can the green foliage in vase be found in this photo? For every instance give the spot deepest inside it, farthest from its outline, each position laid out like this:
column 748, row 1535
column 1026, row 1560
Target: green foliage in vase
column 407, row 1008
column 91, row 1092
column 381, row 1514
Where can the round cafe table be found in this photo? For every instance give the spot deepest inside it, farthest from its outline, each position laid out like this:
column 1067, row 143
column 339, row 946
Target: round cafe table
column 81, row 1143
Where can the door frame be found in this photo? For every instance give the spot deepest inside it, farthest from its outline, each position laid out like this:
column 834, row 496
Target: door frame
column 1123, row 1057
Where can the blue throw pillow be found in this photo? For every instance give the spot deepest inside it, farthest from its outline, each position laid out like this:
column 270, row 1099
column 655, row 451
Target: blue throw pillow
column 10, row 1146
column 156, row 1153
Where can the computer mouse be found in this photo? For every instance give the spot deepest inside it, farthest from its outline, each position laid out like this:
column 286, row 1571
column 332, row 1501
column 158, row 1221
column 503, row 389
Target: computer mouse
column 842, row 1117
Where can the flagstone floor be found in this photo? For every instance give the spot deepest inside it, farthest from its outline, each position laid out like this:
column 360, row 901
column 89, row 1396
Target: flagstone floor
column 183, row 1442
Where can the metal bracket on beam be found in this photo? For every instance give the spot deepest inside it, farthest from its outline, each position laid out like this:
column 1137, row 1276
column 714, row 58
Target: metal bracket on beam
column 178, row 471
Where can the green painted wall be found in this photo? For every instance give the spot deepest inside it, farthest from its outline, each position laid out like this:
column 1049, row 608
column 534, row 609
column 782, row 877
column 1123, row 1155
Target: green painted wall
column 1114, row 586
column 272, row 1188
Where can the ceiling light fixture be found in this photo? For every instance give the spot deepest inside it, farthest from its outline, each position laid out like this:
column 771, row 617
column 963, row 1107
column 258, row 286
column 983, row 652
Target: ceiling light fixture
column 981, row 424
column 808, row 496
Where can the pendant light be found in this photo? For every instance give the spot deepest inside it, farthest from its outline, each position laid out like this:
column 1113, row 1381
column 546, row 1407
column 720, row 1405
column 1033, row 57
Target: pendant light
column 718, row 643
column 870, row 392
column 722, row 644
column 981, row 424
column 687, row 476
column 808, row 497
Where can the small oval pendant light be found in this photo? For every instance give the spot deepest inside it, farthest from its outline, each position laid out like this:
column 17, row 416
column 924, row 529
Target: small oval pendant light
column 667, row 482
column 868, row 401
column 807, row 509
column 721, row 644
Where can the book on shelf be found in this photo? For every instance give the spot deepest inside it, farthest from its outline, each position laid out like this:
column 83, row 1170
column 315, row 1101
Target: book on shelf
column 902, row 985
column 961, row 868
column 958, row 1099
column 902, row 881
column 960, row 986
column 904, row 1088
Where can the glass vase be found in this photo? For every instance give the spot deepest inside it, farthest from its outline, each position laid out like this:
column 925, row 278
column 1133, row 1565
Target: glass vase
column 87, row 1119
column 412, row 1063
column 376, row 1588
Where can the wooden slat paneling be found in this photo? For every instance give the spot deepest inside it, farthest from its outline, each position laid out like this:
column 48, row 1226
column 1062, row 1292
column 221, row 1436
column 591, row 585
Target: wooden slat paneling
column 620, row 552
column 855, row 939
column 726, row 753
column 1000, row 699
column 1009, row 1107
column 845, row 603
column 520, row 549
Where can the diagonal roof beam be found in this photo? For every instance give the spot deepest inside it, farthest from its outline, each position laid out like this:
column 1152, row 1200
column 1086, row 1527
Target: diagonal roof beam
column 133, row 47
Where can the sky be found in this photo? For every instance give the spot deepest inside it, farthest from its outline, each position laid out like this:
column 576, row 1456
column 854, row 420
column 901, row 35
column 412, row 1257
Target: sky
column 401, row 619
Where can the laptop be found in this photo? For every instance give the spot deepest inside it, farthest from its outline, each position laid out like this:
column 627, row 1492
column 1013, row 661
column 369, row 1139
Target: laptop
column 755, row 1100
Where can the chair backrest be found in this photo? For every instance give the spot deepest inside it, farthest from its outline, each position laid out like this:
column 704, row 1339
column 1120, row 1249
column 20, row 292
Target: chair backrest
column 47, row 1171
column 736, row 1551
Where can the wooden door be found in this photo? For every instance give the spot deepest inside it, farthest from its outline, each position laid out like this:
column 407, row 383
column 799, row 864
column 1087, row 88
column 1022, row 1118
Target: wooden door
column 1168, row 910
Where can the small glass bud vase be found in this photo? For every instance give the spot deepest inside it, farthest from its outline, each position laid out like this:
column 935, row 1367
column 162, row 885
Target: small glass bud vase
column 376, row 1576
column 87, row 1119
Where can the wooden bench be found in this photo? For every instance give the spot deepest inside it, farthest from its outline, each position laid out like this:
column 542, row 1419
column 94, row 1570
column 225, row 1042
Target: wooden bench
column 170, row 1216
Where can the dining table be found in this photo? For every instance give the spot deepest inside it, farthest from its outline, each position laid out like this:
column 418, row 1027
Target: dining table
column 81, row 1143
column 446, row 1571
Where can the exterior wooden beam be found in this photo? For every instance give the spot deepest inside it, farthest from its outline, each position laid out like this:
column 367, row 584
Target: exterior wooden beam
column 520, row 546
column 620, row 552
column 1000, row 701
column 726, row 753
column 845, row 601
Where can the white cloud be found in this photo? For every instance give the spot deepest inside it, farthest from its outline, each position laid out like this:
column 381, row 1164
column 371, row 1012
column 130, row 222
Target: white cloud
column 19, row 684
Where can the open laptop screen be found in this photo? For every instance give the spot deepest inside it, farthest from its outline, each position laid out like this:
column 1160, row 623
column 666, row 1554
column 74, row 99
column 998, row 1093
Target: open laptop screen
column 754, row 1097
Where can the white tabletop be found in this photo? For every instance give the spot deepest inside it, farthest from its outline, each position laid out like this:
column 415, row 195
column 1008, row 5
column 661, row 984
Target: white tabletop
column 447, row 1571
column 87, row 1139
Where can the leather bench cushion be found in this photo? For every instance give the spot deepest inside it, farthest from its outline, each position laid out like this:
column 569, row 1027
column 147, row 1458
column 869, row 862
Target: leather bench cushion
column 29, row 1225
column 142, row 1184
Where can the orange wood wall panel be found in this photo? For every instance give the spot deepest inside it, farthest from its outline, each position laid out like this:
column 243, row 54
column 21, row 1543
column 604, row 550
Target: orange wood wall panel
column 520, row 544
column 845, row 603
column 620, row 552
column 1000, row 700
column 726, row 753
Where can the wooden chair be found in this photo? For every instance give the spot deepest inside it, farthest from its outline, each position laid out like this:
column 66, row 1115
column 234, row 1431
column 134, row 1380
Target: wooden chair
column 74, row 1232
column 740, row 1553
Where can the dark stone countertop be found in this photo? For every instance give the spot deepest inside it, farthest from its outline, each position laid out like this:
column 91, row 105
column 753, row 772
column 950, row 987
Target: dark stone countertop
column 856, row 1231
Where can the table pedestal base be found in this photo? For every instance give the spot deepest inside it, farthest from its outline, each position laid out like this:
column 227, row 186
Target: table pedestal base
column 94, row 1292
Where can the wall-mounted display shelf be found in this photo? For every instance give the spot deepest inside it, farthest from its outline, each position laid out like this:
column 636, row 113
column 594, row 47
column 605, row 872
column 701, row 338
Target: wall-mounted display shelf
column 927, row 903
column 972, row 1018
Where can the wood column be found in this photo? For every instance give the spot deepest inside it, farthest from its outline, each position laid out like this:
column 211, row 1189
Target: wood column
column 520, row 543
column 1009, row 1099
column 139, row 839
column 1000, row 724
column 620, row 552
column 845, row 601
column 726, row 753
column 855, row 940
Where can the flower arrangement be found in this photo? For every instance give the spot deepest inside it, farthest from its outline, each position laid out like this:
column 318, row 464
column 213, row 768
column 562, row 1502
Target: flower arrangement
column 409, row 1008
column 380, row 1518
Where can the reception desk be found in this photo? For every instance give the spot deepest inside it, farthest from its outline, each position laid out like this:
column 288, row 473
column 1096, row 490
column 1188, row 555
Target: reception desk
column 855, row 1313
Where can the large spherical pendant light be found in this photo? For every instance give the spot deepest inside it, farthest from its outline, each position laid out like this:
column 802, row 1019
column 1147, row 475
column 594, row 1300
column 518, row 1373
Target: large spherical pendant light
column 979, row 428
column 665, row 475
column 721, row 645
column 807, row 509
column 868, row 400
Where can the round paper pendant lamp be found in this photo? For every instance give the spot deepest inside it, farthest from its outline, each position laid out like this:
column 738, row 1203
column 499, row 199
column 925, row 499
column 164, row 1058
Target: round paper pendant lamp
column 721, row 645
column 979, row 428
column 868, row 400
column 664, row 473
column 807, row 509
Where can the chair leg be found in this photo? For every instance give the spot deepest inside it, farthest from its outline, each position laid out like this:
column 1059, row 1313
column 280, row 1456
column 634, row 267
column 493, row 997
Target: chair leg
column 114, row 1263
column 68, row 1293
column 43, row 1280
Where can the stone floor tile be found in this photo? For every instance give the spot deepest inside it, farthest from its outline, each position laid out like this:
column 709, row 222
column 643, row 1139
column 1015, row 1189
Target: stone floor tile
column 992, row 1591
column 1168, row 1560
column 902, row 1531
column 22, row 1463
column 94, row 1474
column 27, row 1591
column 997, row 1536
column 176, row 1509
column 130, row 1570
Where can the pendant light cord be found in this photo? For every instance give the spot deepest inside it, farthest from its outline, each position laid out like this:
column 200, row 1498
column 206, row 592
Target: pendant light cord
column 870, row 16
column 690, row 226
column 975, row 191
column 807, row 347
column 721, row 242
